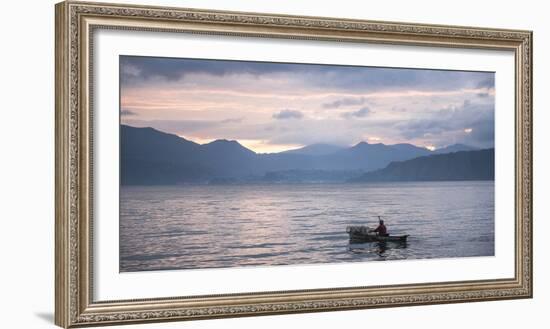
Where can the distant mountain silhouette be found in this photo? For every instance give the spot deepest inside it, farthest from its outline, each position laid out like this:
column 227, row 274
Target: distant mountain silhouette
column 455, row 148
column 315, row 149
column 227, row 158
column 372, row 156
column 224, row 147
column 151, row 157
column 463, row 165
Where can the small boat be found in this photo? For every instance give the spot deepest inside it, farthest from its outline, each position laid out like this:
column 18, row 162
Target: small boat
column 364, row 234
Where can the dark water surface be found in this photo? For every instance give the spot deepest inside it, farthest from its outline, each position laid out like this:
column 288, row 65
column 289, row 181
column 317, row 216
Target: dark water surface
column 208, row 226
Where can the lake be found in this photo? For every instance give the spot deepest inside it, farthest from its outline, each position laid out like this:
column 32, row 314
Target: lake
column 213, row 226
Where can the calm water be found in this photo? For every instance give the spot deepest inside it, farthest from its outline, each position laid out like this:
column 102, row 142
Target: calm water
column 188, row 227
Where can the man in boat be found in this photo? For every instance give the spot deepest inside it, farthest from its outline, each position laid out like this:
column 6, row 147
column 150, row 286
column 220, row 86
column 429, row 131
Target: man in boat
column 381, row 229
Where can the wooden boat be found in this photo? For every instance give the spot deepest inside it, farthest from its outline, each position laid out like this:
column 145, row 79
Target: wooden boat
column 364, row 234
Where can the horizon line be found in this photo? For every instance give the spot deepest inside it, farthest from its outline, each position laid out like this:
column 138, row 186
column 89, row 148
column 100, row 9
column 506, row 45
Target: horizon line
column 300, row 147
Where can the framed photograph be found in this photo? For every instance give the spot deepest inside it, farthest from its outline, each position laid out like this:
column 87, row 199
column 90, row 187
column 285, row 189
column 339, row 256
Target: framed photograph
column 217, row 164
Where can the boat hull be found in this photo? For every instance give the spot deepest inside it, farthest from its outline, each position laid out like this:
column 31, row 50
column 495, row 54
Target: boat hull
column 365, row 234
column 359, row 237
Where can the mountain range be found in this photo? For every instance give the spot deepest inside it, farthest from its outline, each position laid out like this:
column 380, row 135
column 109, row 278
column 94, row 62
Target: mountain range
column 152, row 157
column 463, row 165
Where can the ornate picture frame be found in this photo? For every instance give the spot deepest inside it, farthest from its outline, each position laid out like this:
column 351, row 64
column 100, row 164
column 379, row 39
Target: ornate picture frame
column 76, row 22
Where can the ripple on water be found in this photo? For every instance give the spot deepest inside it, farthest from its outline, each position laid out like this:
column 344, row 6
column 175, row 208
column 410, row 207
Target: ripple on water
column 258, row 225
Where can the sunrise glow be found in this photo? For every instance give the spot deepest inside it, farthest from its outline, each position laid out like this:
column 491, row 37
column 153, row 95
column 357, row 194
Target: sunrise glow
column 271, row 107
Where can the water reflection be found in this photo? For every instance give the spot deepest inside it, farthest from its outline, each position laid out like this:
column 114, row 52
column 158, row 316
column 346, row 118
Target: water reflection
column 189, row 227
column 383, row 249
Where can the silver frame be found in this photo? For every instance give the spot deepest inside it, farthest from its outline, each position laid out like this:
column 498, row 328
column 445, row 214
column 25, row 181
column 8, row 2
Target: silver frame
column 75, row 25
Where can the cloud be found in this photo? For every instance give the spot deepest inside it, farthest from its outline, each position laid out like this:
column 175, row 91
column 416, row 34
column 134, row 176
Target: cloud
column 371, row 79
column 127, row 113
column 449, row 125
column 308, row 131
column 482, row 134
column 232, row 120
column 361, row 113
column 346, row 101
column 179, row 127
column 143, row 70
column 306, row 103
column 135, row 68
column 487, row 82
column 288, row 114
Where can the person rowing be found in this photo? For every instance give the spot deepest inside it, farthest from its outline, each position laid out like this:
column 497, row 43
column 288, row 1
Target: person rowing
column 381, row 229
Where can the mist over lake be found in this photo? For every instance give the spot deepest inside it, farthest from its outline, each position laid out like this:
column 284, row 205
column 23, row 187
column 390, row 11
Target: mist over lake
column 214, row 226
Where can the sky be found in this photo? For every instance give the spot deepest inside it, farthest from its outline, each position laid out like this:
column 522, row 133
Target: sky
column 272, row 107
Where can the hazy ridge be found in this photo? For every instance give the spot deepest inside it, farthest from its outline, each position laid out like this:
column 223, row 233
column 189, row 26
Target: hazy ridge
column 464, row 165
column 152, row 157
